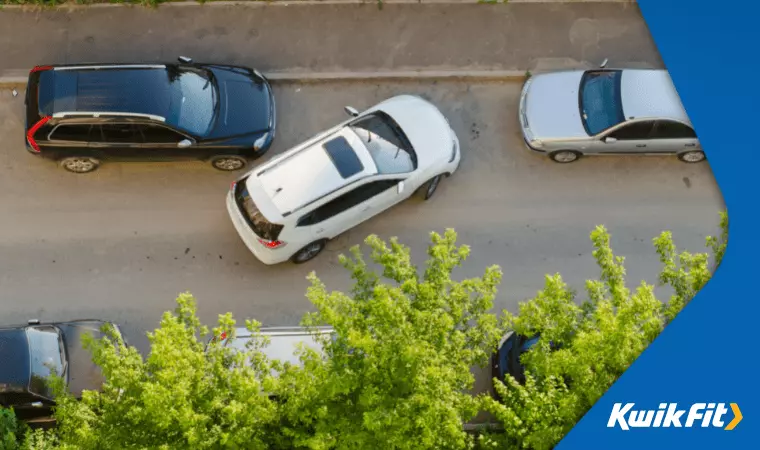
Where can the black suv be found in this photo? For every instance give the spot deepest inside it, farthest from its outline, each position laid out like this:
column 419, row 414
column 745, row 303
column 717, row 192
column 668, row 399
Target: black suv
column 30, row 353
column 85, row 113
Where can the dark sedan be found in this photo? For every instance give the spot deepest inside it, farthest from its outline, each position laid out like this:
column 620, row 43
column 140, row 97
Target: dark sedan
column 30, row 353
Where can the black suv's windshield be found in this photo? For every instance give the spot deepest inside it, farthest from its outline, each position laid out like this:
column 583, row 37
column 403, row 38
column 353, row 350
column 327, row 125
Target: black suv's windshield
column 194, row 100
column 600, row 101
column 47, row 357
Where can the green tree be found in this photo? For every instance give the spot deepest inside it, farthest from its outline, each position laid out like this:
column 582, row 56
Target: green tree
column 584, row 347
column 398, row 369
column 180, row 396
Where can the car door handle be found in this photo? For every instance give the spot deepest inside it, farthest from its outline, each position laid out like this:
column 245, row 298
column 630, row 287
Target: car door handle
column 641, row 145
column 690, row 145
column 320, row 230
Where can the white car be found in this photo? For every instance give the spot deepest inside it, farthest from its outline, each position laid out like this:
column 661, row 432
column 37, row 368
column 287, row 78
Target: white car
column 289, row 207
column 283, row 344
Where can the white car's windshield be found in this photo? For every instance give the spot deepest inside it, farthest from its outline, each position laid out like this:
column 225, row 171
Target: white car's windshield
column 385, row 144
column 600, row 100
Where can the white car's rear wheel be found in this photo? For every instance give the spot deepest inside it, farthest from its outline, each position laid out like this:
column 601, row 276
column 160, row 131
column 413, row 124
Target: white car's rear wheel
column 309, row 252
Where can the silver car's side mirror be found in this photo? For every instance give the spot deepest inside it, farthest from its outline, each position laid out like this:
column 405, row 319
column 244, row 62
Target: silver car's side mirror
column 604, row 63
column 184, row 143
column 400, row 187
column 351, row 111
column 610, row 140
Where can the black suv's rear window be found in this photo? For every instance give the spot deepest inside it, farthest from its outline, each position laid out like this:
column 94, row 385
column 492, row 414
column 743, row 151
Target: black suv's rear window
column 343, row 156
column 258, row 223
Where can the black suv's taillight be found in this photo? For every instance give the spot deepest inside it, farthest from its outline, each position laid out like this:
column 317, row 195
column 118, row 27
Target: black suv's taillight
column 30, row 134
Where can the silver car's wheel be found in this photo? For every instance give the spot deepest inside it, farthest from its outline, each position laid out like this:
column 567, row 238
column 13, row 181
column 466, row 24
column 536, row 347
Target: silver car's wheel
column 692, row 157
column 309, row 252
column 79, row 164
column 228, row 163
column 564, row 156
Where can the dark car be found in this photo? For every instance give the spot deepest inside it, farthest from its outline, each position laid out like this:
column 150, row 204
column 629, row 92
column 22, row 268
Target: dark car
column 506, row 360
column 29, row 353
column 83, row 114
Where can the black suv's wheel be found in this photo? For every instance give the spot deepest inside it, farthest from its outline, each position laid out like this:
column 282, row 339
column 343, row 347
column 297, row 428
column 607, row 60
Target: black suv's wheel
column 693, row 156
column 564, row 156
column 80, row 164
column 228, row 163
column 431, row 186
column 309, row 252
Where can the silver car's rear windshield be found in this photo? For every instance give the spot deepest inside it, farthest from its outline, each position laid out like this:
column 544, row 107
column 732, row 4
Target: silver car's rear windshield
column 600, row 100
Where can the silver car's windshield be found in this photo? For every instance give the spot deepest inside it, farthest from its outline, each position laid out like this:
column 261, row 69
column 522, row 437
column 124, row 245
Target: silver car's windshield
column 600, row 100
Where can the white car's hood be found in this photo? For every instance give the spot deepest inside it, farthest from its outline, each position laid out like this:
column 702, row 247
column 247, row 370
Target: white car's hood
column 551, row 106
column 424, row 125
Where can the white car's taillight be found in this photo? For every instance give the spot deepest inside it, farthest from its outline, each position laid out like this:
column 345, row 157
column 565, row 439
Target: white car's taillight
column 272, row 244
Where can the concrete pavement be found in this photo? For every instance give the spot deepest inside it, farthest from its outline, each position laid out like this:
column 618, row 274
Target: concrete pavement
column 334, row 37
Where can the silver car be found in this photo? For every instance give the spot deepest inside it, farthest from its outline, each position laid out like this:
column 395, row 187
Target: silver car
column 568, row 114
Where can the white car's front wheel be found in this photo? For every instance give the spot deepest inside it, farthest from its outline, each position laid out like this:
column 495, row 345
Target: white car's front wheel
column 564, row 156
column 431, row 186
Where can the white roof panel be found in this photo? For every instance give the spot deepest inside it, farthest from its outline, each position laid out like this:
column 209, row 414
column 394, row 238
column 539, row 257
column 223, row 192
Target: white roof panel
column 310, row 174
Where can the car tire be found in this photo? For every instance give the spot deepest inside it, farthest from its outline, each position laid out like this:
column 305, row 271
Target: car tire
column 228, row 163
column 80, row 164
column 429, row 188
column 693, row 156
column 309, row 252
column 564, row 156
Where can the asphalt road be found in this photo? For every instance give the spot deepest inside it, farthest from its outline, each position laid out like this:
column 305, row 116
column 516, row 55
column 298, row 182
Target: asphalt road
column 122, row 242
column 327, row 38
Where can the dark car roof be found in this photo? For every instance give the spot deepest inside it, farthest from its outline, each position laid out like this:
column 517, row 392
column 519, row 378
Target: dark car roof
column 132, row 90
column 14, row 354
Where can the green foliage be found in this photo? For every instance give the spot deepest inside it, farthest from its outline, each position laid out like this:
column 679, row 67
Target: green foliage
column 179, row 397
column 399, row 366
column 9, row 429
column 594, row 341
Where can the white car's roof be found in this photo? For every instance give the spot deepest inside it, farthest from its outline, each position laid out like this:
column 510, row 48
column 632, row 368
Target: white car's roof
column 650, row 93
column 310, row 173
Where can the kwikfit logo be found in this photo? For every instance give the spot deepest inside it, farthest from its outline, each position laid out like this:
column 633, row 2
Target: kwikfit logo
column 669, row 415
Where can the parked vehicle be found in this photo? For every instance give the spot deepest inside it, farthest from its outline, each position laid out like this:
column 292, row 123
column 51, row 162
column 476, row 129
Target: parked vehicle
column 82, row 114
column 569, row 114
column 289, row 207
column 283, row 341
column 30, row 353
column 506, row 360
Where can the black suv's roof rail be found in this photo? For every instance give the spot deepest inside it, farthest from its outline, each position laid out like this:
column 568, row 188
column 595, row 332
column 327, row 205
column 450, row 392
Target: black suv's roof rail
column 63, row 114
column 111, row 66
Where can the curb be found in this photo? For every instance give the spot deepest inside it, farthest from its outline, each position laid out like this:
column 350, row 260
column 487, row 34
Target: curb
column 18, row 78
column 212, row 3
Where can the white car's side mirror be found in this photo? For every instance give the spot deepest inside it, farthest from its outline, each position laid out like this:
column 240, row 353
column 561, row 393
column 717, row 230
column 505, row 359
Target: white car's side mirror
column 609, row 140
column 184, row 143
column 400, row 187
column 351, row 111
